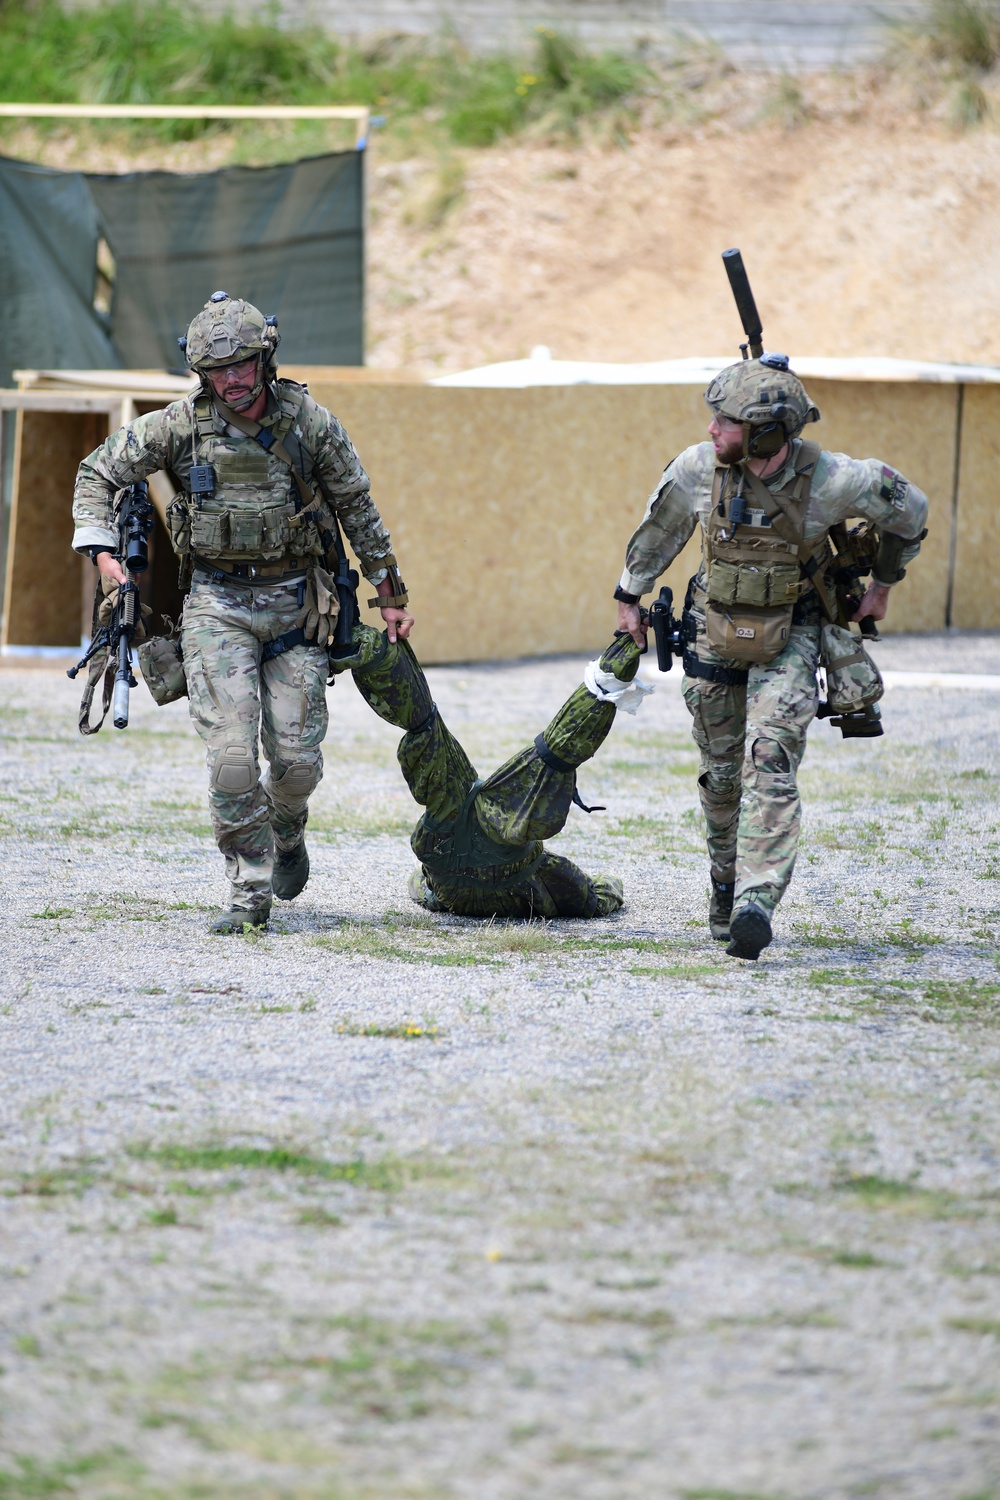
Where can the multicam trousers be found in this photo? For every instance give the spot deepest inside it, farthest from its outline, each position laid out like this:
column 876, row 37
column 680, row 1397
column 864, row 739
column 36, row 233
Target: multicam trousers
column 752, row 737
column 234, row 697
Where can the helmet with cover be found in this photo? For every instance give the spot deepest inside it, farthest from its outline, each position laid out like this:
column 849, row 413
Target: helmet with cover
column 767, row 398
column 228, row 330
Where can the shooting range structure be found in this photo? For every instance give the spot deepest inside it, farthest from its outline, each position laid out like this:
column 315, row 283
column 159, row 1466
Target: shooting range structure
column 511, row 491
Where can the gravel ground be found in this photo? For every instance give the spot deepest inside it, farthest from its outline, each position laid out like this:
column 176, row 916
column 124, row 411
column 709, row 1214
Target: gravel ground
column 389, row 1205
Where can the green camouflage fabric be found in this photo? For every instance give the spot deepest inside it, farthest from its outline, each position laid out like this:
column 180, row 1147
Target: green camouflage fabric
column 842, row 487
column 226, row 330
column 235, row 698
column 751, row 738
column 250, row 482
column 480, row 841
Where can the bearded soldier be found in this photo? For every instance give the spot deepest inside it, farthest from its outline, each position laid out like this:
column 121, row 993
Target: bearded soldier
column 766, row 501
column 263, row 472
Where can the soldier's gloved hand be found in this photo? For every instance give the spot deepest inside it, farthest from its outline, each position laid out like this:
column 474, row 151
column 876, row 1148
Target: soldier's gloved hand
column 318, row 615
column 108, row 603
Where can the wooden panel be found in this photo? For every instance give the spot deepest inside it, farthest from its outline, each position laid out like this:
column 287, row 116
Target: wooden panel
column 510, row 509
column 975, row 592
column 43, row 573
column 912, row 427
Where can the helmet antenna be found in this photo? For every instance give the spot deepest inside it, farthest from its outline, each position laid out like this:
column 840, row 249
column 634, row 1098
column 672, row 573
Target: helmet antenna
column 745, row 305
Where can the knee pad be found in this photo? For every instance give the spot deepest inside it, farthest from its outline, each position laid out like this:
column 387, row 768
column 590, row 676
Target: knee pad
column 770, row 757
column 300, row 778
column 234, row 770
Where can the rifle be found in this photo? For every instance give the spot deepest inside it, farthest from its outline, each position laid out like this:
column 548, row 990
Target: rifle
column 110, row 649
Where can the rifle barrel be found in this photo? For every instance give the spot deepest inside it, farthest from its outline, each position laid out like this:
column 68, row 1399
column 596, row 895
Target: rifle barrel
column 745, row 305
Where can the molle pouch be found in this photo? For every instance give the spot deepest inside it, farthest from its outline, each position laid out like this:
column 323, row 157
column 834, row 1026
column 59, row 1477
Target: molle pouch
column 246, row 531
column 179, row 527
column 747, row 634
column 853, row 681
column 277, row 532
column 784, row 584
column 209, row 532
column 723, row 581
column 751, row 585
column 161, row 663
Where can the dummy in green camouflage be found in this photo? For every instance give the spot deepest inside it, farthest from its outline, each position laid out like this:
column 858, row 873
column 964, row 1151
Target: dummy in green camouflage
column 480, row 842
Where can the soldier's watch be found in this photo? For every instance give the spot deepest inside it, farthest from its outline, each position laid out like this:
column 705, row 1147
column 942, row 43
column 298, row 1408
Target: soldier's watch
column 624, row 598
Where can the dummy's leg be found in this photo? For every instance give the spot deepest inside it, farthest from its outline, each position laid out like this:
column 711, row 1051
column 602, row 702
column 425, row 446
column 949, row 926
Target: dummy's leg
column 530, row 796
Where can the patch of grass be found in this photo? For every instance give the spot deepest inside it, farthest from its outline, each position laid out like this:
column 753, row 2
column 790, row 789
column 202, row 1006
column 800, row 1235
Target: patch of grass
column 985, row 1327
column 677, row 971
column 317, row 1217
column 712, row 1493
column 857, row 1260
column 38, row 1479
column 26, row 1343
column 52, row 1182
column 894, row 1193
column 959, row 999
column 382, row 1175
column 398, row 1030
column 52, row 913
column 166, row 1217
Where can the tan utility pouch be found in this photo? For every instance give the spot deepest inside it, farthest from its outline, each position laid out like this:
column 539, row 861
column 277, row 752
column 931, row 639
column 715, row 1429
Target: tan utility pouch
column 161, row 662
column 853, row 681
column 747, row 634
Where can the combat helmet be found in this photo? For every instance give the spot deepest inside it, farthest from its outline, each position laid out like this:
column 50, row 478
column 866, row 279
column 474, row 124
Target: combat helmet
column 228, row 330
column 767, row 398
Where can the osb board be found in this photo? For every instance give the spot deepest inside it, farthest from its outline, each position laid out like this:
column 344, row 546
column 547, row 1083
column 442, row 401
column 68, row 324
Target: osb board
column 43, row 572
column 975, row 591
column 911, row 426
column 510, row 510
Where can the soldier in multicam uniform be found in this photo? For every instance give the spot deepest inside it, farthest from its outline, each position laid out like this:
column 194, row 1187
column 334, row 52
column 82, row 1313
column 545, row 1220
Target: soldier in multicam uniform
column 766, row 501
column 479, row 841
column 250, row 452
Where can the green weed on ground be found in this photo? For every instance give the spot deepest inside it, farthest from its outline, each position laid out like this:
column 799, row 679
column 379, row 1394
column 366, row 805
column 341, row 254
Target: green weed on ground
column 382, row 1175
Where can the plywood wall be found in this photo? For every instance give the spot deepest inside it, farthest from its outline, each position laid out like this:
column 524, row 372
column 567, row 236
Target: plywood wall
column 510, row 509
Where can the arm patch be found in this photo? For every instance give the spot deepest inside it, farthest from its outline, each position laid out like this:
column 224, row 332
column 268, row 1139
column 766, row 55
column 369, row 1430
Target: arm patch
column 894, row 488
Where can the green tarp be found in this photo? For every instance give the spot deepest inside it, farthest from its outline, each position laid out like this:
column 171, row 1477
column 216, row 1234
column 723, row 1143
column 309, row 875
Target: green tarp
column 289, row 238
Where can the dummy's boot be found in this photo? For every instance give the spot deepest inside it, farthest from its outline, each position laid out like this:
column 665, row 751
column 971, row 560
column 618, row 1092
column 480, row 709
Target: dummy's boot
column 720, row 908
column 749, row 931
column 291, row 871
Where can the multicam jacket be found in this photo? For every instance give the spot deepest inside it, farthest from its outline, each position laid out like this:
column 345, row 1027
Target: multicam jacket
column 250, row 480
column 841, row 487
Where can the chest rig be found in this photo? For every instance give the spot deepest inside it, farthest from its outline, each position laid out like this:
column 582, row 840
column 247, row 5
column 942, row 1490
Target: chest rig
column 243, row 506
column 757, row 563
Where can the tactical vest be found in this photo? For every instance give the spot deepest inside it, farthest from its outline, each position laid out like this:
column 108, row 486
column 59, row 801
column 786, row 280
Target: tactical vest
column 757, row 564
column 242, row 505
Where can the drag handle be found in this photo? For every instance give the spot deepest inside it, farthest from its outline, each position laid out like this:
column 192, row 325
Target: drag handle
column 745, row 305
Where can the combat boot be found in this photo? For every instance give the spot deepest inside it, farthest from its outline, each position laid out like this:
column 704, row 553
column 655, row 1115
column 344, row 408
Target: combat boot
column 291, row 871
column 749, row 931
column 720, row 909
column 237, row 919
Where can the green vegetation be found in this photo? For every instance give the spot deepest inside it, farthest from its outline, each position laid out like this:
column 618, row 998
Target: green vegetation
column 135, row 52
column 377, row 1174
column 952, row 51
